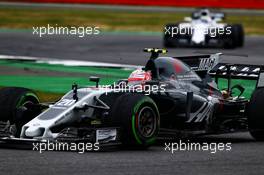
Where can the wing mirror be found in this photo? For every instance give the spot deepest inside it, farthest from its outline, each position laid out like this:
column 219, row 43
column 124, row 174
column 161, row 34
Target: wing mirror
column 95, row 79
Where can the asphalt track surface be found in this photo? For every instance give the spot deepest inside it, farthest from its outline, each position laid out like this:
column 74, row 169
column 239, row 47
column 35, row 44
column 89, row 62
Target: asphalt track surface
column 246, row 156
column 123, row 48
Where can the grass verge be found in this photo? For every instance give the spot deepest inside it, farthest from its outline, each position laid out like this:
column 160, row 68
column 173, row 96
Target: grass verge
column 108, row 20
column 99, row 71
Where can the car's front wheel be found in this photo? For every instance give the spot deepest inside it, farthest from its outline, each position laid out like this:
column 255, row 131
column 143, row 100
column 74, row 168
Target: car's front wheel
column 138, row 117
column 15, row 109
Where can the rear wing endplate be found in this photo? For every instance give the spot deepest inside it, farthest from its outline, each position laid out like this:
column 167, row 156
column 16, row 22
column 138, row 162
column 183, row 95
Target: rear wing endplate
column 260, row 83
column 201, row 64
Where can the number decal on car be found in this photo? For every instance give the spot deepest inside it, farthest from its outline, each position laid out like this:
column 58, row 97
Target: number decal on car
column 65, row 102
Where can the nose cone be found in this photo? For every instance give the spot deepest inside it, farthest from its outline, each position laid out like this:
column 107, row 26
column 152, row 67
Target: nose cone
column 33, row 131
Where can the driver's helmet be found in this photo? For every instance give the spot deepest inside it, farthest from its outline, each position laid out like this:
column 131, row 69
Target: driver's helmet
column 139, row 75
column 204, row 12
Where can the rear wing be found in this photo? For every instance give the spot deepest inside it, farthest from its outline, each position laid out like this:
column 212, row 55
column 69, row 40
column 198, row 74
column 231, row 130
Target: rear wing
column 214, row 15
column 237, row 71
column 219, row 15
column 209, row 65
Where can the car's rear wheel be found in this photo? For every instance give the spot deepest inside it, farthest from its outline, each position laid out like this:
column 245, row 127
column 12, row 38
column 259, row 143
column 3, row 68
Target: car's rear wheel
column 138, row 117
column 238, row 34
column 235, row 38
column 15, row 109
column 256, row 115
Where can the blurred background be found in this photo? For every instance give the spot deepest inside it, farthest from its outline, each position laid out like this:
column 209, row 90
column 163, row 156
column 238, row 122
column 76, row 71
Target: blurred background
column 128, row 15
column 126, row 27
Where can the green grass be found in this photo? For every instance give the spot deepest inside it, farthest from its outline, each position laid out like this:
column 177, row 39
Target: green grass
column 108, row 20
column 51, row 88
column 104, row 72
column 60, row 83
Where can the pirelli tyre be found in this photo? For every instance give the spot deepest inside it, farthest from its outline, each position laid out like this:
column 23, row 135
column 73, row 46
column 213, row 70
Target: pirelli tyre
column 256, row 115
column 138, row 117
column 238, row 34
column 14, row 107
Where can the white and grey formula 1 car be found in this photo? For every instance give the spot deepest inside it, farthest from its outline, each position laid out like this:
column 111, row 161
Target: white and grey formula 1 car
column 204, row 29
column 168, row 97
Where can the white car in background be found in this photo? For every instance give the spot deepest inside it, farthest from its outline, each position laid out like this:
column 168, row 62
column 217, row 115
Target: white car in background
column 204, row 29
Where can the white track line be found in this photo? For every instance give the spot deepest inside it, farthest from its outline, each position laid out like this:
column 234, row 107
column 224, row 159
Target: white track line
column 68, row 62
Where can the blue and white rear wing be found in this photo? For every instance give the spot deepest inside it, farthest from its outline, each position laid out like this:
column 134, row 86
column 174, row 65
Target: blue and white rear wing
column 213, row 15
column 219, row 15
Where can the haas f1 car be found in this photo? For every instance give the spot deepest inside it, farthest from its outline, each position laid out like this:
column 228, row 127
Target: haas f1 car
column 204, row 29
column 169, row 96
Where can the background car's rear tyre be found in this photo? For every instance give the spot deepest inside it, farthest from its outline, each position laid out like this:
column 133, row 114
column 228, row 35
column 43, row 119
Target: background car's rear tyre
column 138, row 117
column 235, row 38
column 256, row 115
column 14, row 102
column 238, row 34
